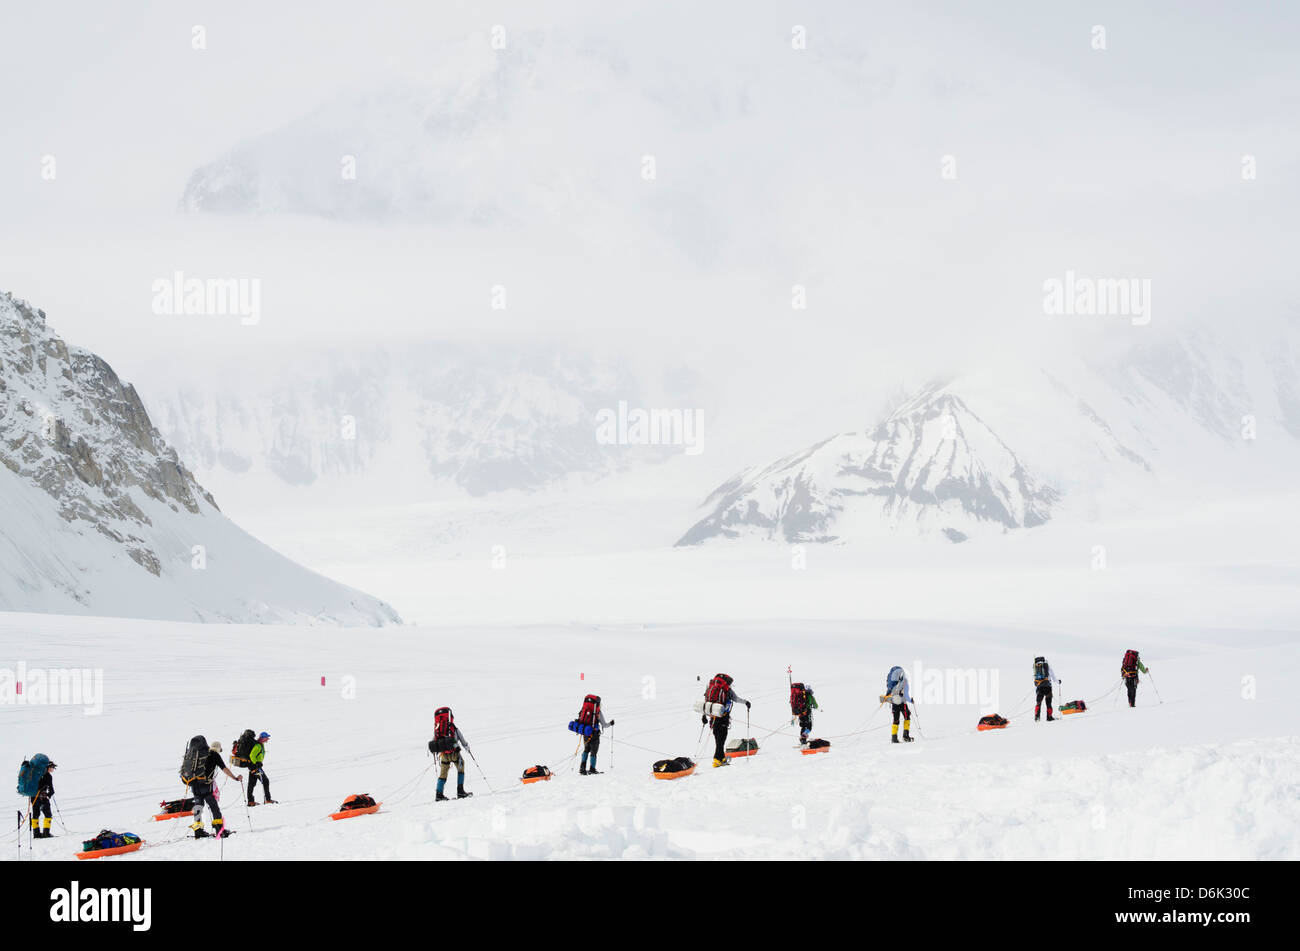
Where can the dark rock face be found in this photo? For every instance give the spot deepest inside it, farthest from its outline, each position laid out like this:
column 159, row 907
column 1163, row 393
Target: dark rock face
column 70, row 426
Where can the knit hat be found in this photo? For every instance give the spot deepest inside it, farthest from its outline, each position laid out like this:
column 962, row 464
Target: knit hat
column 215, row 746
column 263, row 736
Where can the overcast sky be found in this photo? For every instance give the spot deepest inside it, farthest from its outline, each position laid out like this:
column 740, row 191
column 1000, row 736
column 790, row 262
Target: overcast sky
column 777, row 167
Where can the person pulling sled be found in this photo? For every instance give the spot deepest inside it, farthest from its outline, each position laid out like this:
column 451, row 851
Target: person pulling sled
column 719, row 698
column 802, row 704
column 591, row 719
column 257, row 769
column 199, row 768
column 1044, row 677
column 446, row 745
column 1128, row 670
column 898, row 693
column 37, row 784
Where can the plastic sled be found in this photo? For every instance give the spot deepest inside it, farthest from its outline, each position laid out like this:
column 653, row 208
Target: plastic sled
column 685, row 772
column 118, row 850
column 349, row 813
column 535, row 779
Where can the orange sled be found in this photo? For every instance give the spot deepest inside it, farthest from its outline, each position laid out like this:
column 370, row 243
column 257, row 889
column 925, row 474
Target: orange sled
column 535, row 774
column 674, row 768
column 816, row 746
column 349, row 813
column 993, row 722
column 679, row 775
column 358, row 804
column 732, row 754
column 120, row 850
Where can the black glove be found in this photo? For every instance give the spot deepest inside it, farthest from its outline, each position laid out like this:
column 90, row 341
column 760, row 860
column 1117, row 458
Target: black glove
column 611, row 722
column 704, row 719
column 746, row 704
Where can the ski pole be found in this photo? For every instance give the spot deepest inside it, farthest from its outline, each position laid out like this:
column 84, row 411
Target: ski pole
column 1153, row 685
column 747, row 730
column 611, row 747
column 480, row 770
column 59, row 813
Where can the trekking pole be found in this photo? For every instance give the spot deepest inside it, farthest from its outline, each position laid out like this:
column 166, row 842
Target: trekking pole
column 747, row 730
column 480, row 771
column 1153, row 685
column 59, row 813
column 247, row 795
column 611, row 747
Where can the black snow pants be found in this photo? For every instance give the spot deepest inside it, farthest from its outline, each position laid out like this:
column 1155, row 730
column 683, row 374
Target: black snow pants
column 1044, row 693
column 720, row 727
column 202, row 793
column 805, row 724
column 253, row 776
column 1132, row 684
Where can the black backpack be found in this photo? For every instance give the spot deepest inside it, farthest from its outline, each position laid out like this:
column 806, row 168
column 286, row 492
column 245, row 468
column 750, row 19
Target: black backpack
column 242, row 748
column 1040, row 669
column 194, row 763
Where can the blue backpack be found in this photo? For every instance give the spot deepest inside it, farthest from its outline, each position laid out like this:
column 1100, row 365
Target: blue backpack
column 892, row 678
column 30, row 775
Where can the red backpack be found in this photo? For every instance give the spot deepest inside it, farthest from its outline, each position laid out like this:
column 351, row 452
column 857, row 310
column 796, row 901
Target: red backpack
column 719, row 690
column 798, row 699
column 590, row 712
column 1130, row 664
column 444, row 724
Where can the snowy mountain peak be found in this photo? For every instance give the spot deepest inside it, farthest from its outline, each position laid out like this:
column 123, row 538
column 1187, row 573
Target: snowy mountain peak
column 932, row 466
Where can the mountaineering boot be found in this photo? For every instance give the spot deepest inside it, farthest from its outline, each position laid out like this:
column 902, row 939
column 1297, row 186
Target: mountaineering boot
column 719, row 762
column 893, row 738
column 199, row 831
column 270, row 802
column 907, row 736
column 461, row 794
column 440, row 797
column 582, row 770
column 593, row 771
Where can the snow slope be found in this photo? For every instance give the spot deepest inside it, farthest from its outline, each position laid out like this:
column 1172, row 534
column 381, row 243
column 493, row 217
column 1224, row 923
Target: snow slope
column 1212, row 772
column 102, row 517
